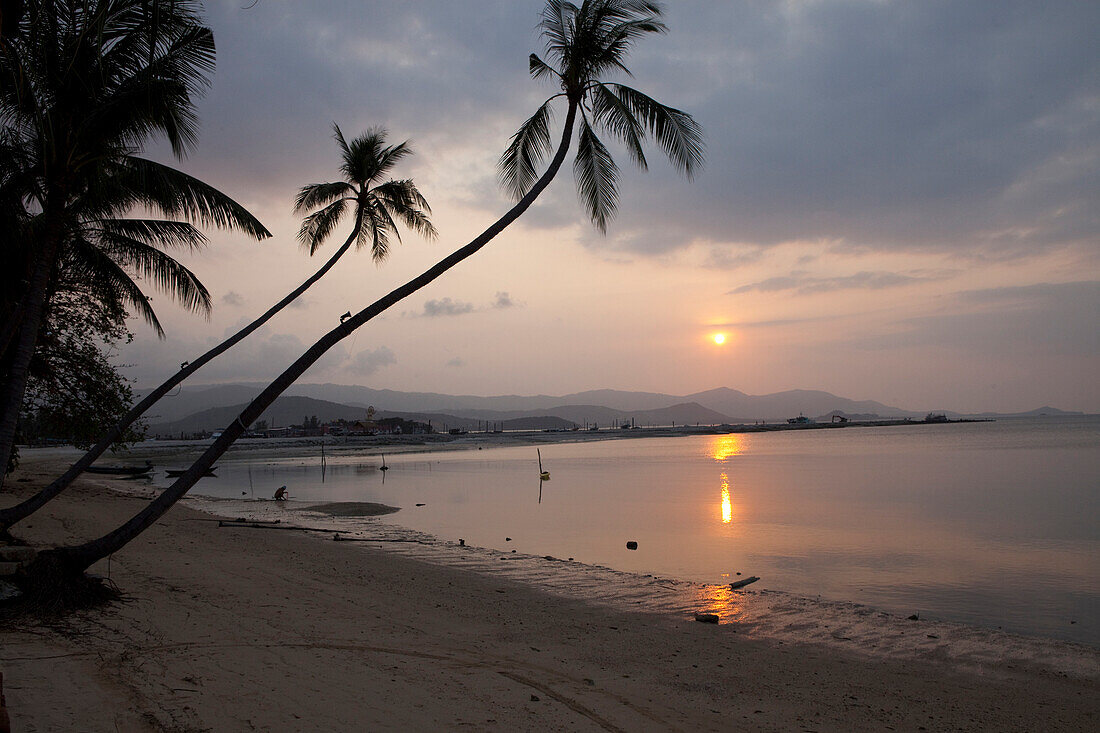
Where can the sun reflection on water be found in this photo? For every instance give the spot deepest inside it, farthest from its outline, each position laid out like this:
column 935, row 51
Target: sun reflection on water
column 725, row 446
column 727, row 506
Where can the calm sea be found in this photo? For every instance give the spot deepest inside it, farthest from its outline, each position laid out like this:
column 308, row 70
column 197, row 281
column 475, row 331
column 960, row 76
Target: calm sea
column 994, row 524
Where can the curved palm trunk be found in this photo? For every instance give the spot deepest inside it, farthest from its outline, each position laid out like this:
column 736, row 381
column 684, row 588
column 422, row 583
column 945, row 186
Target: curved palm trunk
column 26, row 338
column 14, row 514
column 77, row 559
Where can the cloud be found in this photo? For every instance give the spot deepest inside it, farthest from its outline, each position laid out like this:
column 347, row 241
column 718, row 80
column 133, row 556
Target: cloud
column 504, row 300
column 1011, row 322
column 233, row 298
column 366, row 363
column 446, row 307
column 804, row 284
column 900, row 126
column 456, row 362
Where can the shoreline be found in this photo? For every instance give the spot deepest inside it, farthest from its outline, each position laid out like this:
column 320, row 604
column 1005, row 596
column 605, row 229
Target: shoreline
column 227, row 629
column 289, row 451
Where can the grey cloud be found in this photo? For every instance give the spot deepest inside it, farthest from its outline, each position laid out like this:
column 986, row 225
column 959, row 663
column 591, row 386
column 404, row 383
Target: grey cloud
column 946, row 125
column 732, row 258
column 504, row 300
column 456, row 362
column 804, row 284
column 446, row 307
column 366, row 363
column 233, row 298
column 1012, row 322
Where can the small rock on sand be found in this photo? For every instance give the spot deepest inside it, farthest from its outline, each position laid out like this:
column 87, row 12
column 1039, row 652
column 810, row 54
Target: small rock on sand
column 706, row 618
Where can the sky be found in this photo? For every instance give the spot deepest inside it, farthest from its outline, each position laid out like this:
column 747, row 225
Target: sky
column 900, row 202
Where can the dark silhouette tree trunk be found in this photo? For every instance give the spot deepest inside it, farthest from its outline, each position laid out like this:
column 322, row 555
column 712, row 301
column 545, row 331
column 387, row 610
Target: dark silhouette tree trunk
column 26, row 337
column 77, row 559
column 21, row 511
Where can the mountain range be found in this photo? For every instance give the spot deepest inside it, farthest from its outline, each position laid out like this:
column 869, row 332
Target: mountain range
column 212, row 407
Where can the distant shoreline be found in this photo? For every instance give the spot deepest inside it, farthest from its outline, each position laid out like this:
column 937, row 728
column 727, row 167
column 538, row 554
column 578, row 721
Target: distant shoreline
column 370, row 445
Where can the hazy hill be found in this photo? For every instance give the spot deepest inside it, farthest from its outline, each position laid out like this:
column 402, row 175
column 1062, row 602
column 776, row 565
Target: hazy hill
column 197, row 408
column 284, row 411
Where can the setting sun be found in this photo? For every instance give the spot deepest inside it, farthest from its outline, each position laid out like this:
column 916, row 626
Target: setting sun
column 719, row 338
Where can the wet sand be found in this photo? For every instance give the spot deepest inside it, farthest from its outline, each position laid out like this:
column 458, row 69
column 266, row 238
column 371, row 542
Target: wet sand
column 230, row 628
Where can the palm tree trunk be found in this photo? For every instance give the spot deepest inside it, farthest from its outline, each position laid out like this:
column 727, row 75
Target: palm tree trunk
column 17, row 513
column 34, row 307
column 79, row 558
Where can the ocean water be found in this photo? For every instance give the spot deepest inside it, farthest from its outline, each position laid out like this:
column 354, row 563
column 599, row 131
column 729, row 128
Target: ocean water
column 992, row 524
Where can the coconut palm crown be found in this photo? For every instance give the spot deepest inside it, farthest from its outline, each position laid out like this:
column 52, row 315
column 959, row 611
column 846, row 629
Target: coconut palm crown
column 365, row 161
column 583, row 44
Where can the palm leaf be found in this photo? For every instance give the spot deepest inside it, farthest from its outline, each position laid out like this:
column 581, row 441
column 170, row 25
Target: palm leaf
column 174, row 193
column 156, row 232
column 530, row 144
column 166, row 273
column 597, row 177
column 321, row 194
column 676, row 132
column 319, row 225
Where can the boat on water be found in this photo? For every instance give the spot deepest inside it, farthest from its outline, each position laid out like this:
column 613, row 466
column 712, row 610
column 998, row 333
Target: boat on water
column 121, row 470
column 800, row 420
column 935, row 417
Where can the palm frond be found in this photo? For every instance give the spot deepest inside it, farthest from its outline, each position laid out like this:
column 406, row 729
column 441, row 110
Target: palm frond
column 404, row 201
column 540, row 68
column 103, row 275
column 597, row 177
column 610, row 112
column 520, row 161
column 166, row 273
column 676, row 132
column 313, row 195
column 319, row 225
column 156, row 232
column 378, row 225
column 174, row 193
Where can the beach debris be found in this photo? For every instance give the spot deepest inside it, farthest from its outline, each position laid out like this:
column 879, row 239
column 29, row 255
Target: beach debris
column 915, row 617
column 462, row 543
column 632, row 545
column 706, row 618
column 534, row 698
column 742, row 583
column 8, row 592
column 421, row 504
column 271, row 525
column 507, row 539
column 543, row 475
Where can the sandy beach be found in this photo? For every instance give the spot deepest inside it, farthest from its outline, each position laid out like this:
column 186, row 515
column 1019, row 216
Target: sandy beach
column 234, row 629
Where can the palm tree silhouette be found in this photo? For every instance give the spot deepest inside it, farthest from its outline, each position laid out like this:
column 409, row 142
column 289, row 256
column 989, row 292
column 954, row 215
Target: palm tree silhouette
column 586, row 42
column 85, row 84
column 377, row 203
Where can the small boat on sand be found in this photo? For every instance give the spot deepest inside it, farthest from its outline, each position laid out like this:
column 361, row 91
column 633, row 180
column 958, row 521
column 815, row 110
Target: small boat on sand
column 177, row 472
column 121, row 470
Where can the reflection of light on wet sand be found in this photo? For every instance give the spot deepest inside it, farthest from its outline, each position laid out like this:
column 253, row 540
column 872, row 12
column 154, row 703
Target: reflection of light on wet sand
column 724, row 446
column 727, row 507
column 719, row 599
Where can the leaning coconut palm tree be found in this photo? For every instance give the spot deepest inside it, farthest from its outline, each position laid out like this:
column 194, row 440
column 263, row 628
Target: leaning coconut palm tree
column 84, row 85
column 377, row 205
column 585, row 43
